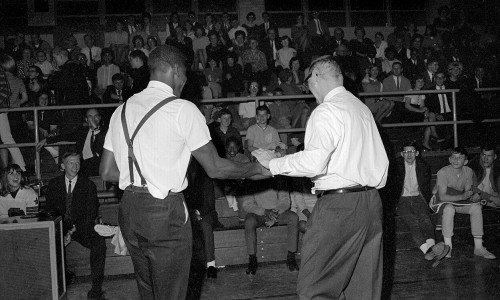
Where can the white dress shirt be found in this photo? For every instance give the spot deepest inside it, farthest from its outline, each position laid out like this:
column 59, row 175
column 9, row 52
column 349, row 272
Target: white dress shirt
column 96, row 53
column 443, row 101
column 343, row 147
column 87, row 150
column 73, row 183
column 164, row 144
column 410, row 187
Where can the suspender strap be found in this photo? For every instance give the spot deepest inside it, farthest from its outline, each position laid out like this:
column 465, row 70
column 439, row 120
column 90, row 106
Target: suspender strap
column 132, row 161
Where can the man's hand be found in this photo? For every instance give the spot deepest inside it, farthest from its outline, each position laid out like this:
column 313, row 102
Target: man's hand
column 306, row 213
column 439, row 117
column 264, row 174
column 475, row 198
column 40, row 145
column 468, row 194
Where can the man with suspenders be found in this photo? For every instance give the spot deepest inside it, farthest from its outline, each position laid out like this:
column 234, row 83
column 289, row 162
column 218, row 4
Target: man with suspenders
column 147, row 150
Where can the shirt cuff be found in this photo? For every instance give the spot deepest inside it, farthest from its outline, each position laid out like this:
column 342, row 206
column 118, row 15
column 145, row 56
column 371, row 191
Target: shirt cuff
column 273, row 166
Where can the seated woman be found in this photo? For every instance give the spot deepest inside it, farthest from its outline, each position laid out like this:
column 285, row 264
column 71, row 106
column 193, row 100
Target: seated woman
column 48, row 120
column 213, row 75
column 379, row 106
column 34, row 84
column 15, row 195
column 246, row 110
column 232, row 76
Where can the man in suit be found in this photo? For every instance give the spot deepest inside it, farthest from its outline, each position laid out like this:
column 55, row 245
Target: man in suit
column 193, row 19
column 74, row 198
column 316, row 27
column 414, row 187
column 440, row 104
column 270, row 46
column 432, row 67
column 118, row 92
column 89, row 142
column 266, row 25
column 368, row 61
column 338, row 38
column 400, row 53
column 414, row 65
column 394, row 83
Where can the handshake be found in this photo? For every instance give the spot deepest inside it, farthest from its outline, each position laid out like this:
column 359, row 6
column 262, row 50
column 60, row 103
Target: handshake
column 264, row 156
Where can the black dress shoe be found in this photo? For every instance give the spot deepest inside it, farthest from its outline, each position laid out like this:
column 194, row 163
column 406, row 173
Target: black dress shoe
column 291, row 263
column 211, row 272
column 252, row 265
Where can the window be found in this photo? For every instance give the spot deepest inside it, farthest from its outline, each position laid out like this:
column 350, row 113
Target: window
column 368, row 4
column 216, row 6
column 288, row 5
column 321, row 5
column 124, row 7
column 74, row 8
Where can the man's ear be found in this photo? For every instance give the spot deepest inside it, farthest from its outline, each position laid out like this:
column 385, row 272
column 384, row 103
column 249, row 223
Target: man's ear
column 466, row 162
column 63, row 167
column 417, row 153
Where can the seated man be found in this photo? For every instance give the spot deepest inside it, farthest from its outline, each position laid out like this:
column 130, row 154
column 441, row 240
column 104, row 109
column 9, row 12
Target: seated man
column 455, row 183
column 396, row 82
column 414, row 180
column 487, row 171
column 268, row 203
column 262, row 135
column 74, row 197
column 89, row 142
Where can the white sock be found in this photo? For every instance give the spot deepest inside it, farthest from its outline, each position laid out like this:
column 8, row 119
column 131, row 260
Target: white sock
column 430, row 242
column 211, row 264
column 447, row 241
column 424, row 248
column 478, row 242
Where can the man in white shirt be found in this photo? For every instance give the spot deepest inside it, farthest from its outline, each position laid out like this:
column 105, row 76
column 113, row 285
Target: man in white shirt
column 346, row 160
column 235, row 26
column 153, row 216
column 93, row 53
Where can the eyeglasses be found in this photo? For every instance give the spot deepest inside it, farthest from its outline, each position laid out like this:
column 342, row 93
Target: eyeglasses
column 409, row 151
column 306, row 80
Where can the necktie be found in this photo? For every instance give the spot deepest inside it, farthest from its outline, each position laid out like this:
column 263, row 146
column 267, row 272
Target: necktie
column 92, row 139
column 267, row 26
column 69, row 198
column 90, row 55
column 318, row 27
column 398, row 82
column 274, row 50
column 443, row 102
column 119, row 94
column 431, row 77
column 414, row 62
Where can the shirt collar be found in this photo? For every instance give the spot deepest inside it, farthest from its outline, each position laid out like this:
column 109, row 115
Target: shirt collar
column 73, row 181
column 160, row 85
column 333, row 93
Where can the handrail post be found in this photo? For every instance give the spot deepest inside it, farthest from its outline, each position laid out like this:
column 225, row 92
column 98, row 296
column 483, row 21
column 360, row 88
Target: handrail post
column 38, row 170
column 455, row 125
column 257, row 103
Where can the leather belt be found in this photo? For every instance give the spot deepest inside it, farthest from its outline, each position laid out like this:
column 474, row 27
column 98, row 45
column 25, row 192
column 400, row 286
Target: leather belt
column 144, row 190
column 352, row 189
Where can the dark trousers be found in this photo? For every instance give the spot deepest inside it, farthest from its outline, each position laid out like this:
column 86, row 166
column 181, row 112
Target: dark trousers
column 342, row 248
column 97, row 246
column 415, row 213
column 159, row 241
column 253, row 221
column 206, row 225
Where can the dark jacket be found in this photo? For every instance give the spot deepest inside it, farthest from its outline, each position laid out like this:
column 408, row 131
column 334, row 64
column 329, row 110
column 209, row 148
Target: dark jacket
column 432, row 101
column 79, row 136
column 106, row 98
column 480, row 172
column 70, row 84
column 84, row 205
column 423, row 172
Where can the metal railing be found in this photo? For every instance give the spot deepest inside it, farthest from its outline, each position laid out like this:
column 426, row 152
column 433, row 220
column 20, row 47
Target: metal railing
column 258, row 101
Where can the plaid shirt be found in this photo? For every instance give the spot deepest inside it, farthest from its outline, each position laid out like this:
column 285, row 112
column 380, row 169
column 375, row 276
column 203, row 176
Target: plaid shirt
column 4, row 90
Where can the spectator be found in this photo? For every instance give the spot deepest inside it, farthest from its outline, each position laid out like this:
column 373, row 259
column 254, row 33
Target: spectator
column 486, row 168
column 233, row 76
column 410, row 32
column 71, row 45
column 267, row 24
column 172, row 24
column 48, row 122
column 380, row 45
column 34, row 84
column 222, row 34
column 138, row 44
column 360, row 43
column 270, row 46
column 285, row 54
column 240, row 44
column 235, row 26
column 213, row 75
column 89, row 142
column 234, row 189
column 287, row 86
column 16, row 46
column 254, row 63
column 297, row 73
column 93, row 53
column 215, row 50
column 443, row 22
column 432, row 66
column 379, row 106
column 200, row 44
column 225, row 131
column 188, row 30
column 246, row 110
column 317, row 27
column 118, row 92
column 18, row 97
column 394, row 83
column 431, row 38
column 269, row 204
column 44, row 64
column 299, row 34
column 347, row 62
column 251, row 27
column 24, row 63
column 119, row 43
column 150, row 28
column 38, row 44
column 414, row 66
column 193, row 20
column 400, row 50
column 338, row 38
column 151, row 43
column 389, row 60
column 262, row 135
column 414, row 184
column 183, row 43
column 106, row 71
column 415, row 109
column 140, row 73
column 131, row 25
column 226, row 22
column 455, row 183
column 15, row 194
column 139, row 31
column 209, row 24
column 74, row 197
column 416, row 43
column 281, row 115
column 369, row 60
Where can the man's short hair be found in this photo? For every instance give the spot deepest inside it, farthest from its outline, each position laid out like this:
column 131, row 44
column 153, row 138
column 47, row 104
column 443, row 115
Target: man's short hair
column 117, row 77
column 432, row 60
column 8, row 63
column 329, row 66
column 166, row 55
column 107, row 51
column 88, row 36
column 69, row 154
column 240, row 32
column 263, row 108
column 284, row 75
column 60, row 51
column 233, row 139
column 461, row 151
column 225, row 111
column 397, row 63
column 489, row 146
column 410, row 143
column 140, row 55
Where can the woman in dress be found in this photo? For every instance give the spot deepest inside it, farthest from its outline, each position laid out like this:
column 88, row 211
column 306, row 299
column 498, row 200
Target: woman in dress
column 119, row 43
column 252, row 28
column 299, row 34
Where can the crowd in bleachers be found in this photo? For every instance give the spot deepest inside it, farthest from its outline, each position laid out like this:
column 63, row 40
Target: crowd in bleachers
column 229, row 59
